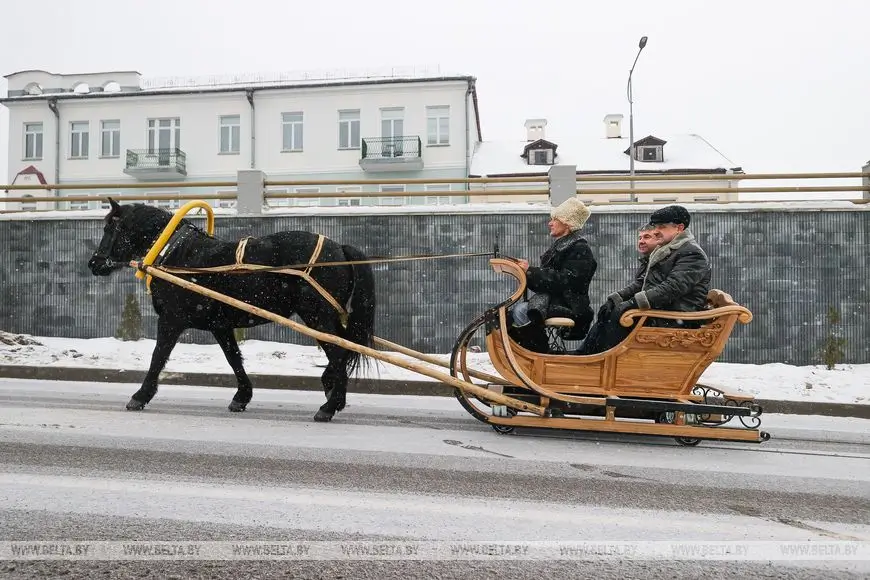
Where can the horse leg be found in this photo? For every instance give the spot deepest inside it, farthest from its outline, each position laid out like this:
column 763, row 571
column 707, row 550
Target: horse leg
column 168, row 334
column 227, row 340
column 334, row 381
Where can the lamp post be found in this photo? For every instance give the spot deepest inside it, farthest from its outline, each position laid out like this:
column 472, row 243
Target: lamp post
column 631, row 151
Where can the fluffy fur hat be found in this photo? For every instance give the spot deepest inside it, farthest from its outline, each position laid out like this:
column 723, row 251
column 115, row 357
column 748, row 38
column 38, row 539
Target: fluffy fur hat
column 572, row 212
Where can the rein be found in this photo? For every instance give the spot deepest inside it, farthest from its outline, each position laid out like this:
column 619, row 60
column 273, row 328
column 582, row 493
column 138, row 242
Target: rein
column 241, row 268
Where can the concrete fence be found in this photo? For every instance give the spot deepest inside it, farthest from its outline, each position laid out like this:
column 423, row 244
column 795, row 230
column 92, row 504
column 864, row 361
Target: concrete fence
column 791, row 265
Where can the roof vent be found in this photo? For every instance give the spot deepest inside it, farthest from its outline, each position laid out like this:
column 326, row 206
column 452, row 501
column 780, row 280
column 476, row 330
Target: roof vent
column 613, row 126
column 535, row 129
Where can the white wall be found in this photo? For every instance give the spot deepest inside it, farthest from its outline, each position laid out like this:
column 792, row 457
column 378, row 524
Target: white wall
column 31, row 112
column 200, row 129
column 4, row 144
column 320, row 108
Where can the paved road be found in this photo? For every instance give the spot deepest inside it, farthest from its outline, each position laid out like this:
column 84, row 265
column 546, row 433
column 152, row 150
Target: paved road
column 76, row 466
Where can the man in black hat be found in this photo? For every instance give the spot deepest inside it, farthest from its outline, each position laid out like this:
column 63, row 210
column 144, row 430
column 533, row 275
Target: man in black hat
column 677, row 278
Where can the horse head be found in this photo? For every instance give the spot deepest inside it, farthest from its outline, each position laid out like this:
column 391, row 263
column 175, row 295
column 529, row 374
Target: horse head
column 128, row 233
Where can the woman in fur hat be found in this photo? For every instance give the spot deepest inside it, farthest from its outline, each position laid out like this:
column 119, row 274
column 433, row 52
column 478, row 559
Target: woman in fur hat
column 560, row 283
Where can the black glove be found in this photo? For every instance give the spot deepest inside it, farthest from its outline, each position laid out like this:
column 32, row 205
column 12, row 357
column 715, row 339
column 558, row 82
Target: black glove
column 607, row 308
column 623, row 307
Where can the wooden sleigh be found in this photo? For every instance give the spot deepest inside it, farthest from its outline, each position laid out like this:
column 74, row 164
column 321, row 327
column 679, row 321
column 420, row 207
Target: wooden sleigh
column 647, row 384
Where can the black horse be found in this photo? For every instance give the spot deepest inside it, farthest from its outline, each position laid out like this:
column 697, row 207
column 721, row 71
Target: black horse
column 131, row 230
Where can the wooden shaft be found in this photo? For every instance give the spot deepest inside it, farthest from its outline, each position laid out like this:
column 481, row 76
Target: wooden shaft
column 434, row 360
column 346, row 344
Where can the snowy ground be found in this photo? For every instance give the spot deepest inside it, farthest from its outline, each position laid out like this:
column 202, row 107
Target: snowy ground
column 845, row 384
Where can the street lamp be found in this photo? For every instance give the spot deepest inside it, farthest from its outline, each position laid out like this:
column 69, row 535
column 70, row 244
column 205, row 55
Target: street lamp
column 631, row 151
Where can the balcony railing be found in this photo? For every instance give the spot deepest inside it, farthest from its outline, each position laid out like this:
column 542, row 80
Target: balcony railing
column 391, row 147
column 392, row 154
column 156, row 162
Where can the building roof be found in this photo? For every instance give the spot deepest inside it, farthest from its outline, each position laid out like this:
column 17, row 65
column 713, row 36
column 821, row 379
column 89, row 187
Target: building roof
column 132, row 85
column 682, row 153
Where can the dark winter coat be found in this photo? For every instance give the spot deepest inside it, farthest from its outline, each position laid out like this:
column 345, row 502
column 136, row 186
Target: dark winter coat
column 677, row 277
column 561, row 282
column 637, row 284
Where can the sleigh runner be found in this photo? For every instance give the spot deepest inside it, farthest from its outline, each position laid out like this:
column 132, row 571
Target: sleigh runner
column 645, row 385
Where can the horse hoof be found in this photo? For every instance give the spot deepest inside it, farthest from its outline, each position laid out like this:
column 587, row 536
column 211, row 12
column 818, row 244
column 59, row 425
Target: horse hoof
column 236, row 407
column 322, row 417
column 134, row 405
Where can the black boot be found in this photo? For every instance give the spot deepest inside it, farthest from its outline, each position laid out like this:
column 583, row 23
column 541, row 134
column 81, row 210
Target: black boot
column 532, row 337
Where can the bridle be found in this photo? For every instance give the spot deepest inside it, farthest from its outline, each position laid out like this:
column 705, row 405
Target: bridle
column 117, row 234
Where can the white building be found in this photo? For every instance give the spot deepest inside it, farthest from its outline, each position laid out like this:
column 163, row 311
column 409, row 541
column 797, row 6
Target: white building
column 606, row 154
column 113, row 127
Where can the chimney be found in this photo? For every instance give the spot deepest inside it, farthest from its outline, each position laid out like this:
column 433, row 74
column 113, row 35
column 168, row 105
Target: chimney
column 535, row 129
column 613, row 126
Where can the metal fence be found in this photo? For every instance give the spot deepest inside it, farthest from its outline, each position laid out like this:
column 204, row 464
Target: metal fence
column 520, row 186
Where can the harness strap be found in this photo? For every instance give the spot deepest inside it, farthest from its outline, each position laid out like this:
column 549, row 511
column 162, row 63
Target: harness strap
column 306, row 275
column 316, row 253
column 240, row 250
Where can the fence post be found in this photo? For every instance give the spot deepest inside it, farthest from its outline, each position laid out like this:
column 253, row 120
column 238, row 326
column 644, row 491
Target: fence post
column 563, row 183
column 249, row 192
column 866, row 180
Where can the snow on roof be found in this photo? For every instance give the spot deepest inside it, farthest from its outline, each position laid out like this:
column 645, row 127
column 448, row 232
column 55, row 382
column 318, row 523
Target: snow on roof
column 298, row 78
column 60, row 85
column 594, row 154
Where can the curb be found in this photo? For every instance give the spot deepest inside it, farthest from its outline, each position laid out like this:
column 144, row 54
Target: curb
column 365, row 386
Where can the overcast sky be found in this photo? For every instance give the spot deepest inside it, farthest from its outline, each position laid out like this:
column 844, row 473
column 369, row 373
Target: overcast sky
column 776, row 86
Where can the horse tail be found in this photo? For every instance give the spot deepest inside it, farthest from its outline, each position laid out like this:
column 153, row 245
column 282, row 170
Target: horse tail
column 361, row 321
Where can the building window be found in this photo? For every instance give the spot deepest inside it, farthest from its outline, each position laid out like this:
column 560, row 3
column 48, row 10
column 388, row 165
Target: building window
column 226, row 203
column 438, row 125
column 78, row 147
column 392, row 199
column 110, row 138
column 650, row 153
column 348, row 130
column 28, row 205
column 438, row 199
column 32, row 141
column 164, row 135
column 79, row 205
column 231, row 134
column 277, row 201
column 541, row 157
column 169, row 204
column 292, row 129
column 349, row 201
column 306, row 201
column 392, row 122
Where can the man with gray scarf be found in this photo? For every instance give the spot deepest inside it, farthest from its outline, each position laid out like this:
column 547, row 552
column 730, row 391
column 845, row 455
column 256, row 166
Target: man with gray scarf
column 677, row 279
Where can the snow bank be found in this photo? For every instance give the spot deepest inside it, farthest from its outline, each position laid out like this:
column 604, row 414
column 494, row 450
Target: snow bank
column 845, row 384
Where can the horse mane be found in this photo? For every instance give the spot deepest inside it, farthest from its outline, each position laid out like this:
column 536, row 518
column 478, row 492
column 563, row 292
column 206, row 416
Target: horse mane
column 143, row 216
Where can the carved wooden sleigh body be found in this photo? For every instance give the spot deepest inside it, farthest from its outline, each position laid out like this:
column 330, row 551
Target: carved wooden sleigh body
column 647, row 384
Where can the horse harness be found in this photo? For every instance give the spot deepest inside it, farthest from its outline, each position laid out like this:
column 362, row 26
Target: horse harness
column 183, row 232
